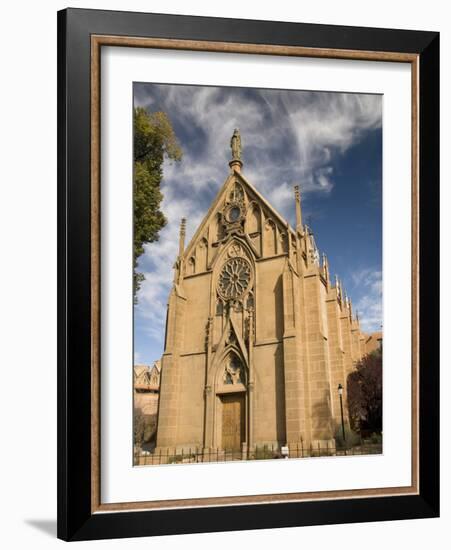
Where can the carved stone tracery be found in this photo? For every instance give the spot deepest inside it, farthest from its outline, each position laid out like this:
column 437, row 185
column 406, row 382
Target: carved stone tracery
column 235, row 278
column 233, row 370
column 235, row 250
column 232, row 216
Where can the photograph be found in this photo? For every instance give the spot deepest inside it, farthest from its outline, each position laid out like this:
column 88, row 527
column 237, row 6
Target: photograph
column 257, row 274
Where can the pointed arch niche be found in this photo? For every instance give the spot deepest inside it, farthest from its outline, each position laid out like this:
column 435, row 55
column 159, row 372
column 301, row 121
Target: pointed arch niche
column 284, row 242
column 191, row 267
column 253, row 219
column 201, row 255
column 236, row 194
column 232, row 372
column 270, row 238
column 217, row 229
column 254, row 225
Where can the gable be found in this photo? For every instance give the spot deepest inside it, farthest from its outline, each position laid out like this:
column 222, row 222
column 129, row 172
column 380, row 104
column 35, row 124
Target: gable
column 238, row 210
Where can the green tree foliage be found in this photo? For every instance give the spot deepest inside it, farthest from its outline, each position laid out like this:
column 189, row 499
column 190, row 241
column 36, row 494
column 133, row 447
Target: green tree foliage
column 365, row 394
column 154, row 139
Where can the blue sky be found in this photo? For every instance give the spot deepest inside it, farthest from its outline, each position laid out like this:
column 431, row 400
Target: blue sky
column 328, row 143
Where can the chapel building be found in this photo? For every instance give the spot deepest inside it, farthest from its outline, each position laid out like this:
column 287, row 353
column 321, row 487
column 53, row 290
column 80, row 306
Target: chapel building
column 258, row 336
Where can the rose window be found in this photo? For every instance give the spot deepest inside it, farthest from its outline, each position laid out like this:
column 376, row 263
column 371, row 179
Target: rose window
column 234, row 278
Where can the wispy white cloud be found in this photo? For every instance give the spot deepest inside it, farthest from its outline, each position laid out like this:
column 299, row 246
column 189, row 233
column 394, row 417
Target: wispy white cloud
column 368, row 284
column 314, row 127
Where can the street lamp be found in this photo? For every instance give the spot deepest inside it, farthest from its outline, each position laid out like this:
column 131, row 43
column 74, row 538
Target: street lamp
column 340, row 393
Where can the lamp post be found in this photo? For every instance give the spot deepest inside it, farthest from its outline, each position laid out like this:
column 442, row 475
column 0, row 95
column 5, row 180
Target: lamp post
column 340, row 393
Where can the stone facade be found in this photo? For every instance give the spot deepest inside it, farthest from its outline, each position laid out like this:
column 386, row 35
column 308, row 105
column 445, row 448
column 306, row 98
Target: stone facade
column 258, row 337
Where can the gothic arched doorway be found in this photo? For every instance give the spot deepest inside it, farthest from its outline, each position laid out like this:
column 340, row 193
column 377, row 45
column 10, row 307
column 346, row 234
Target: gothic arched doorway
column 231, row 396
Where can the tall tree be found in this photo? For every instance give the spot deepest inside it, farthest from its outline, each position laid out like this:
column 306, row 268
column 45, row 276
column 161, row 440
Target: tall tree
column 365, row 394
column 154, row 139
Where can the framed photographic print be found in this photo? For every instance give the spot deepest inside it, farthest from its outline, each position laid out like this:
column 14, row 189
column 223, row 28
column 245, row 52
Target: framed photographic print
column 248, row 274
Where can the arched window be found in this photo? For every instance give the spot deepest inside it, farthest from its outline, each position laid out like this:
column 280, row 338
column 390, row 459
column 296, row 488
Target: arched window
column 191, row 266
column 253, row 222
column 270, row 238
column 219, row 307
column 218, row 230
column 237, row 193
column 201, row 255
column 284, row 242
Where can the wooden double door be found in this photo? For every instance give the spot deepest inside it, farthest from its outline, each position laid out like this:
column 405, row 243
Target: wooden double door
column 233, row 421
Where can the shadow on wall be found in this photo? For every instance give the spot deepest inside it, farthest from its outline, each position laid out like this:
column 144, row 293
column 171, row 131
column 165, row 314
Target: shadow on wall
column 278, row 303
column 280, row 395
column 322, row 426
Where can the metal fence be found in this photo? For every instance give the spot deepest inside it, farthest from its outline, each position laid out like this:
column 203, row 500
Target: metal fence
column 266, row 452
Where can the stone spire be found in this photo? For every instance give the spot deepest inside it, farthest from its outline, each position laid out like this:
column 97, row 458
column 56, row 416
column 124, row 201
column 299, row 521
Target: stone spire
column 289, row 244
column 297, row 198
column 326, row 268
column 179, row 264
column 182, row 236
column 235, row 144
column 338, row 287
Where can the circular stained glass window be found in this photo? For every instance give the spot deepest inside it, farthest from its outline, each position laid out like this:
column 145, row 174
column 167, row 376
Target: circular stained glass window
column 234, row 278
column 234, row 213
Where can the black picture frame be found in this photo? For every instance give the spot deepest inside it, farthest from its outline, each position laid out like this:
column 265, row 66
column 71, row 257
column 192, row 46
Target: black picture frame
column 76, row 521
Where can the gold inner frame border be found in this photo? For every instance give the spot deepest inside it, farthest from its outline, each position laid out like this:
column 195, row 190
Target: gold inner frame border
column 97, row 41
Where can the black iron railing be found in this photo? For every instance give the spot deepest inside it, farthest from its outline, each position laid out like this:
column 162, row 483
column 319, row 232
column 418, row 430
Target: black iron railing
column 265, row 452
